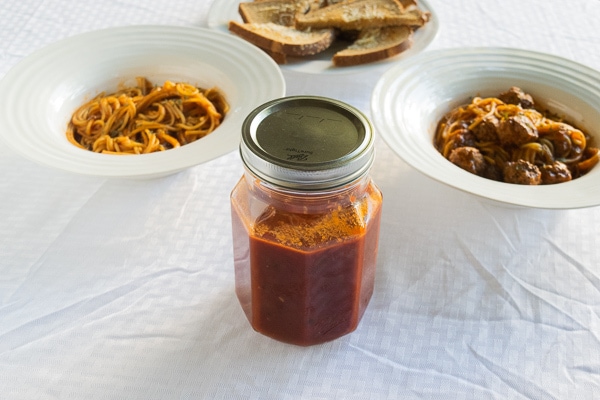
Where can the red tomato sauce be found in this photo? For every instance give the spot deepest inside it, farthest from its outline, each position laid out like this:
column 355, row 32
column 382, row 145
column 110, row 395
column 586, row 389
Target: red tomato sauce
column 307, row 278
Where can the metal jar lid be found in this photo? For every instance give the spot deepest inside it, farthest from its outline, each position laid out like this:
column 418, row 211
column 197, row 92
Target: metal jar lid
column 307, row 143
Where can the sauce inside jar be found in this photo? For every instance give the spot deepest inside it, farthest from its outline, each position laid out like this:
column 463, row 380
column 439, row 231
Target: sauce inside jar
column 311, row 275
column 306, row 218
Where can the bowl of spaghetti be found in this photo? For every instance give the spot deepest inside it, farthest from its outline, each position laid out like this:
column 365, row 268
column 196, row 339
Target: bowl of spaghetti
column 134, row 102
column 513, row 126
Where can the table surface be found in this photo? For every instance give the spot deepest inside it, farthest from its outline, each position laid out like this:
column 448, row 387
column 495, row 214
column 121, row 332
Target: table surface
column 125, row 289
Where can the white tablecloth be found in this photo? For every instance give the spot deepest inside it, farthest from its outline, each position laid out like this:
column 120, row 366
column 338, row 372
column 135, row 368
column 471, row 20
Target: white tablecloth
column 115, row 289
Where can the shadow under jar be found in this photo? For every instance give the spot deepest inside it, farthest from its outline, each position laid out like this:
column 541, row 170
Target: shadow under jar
column 306, row 217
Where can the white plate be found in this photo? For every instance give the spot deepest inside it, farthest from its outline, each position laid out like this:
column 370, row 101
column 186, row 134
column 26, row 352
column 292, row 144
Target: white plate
column 223, row 11
column 410, row 99
column 38, row 95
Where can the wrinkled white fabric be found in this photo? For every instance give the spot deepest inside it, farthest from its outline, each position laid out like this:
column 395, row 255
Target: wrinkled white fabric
column 119, row 289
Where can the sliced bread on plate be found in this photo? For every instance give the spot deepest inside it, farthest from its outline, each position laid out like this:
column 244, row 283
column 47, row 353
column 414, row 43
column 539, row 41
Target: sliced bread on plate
column 375, row 44
column 361, row 14
column 281, row 12
column 277, row 38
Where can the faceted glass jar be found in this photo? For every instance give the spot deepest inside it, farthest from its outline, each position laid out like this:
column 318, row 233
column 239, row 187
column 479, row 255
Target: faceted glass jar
column 305, row 261
column 306, row 218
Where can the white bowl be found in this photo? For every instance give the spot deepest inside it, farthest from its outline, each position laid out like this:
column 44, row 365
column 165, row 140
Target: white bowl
column 410, row 99
column 40, row 93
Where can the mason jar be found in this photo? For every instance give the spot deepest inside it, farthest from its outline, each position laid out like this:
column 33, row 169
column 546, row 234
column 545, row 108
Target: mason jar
column 306, row 217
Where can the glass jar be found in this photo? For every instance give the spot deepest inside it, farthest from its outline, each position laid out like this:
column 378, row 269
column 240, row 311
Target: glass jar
column 305, row 218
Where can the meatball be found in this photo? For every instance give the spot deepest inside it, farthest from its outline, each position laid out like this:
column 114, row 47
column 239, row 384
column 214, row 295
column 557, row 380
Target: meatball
column 555, row 173
column 516, row 96
column 561, row 140
column 468, row 158
column 485, row 131
column 464, row 137
column 522, row 173
column 517, row 129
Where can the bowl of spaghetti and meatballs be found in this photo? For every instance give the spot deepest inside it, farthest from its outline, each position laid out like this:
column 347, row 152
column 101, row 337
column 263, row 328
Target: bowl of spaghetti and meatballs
column 507, row 139
column 514, row 126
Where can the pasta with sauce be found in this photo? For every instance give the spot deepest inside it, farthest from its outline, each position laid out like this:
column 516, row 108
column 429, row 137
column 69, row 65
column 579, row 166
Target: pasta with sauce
column 506, row 138
column 146, row 118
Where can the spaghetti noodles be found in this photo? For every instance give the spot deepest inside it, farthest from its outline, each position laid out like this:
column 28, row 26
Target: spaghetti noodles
column 146, row 118
column 506, row 139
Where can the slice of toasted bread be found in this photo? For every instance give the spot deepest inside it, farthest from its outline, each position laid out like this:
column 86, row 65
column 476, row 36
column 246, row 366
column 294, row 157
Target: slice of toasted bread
column 375, row 44
column 361, row 14
column 277, row 38
column 282, row 12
